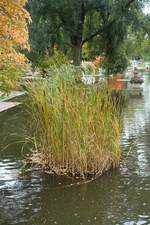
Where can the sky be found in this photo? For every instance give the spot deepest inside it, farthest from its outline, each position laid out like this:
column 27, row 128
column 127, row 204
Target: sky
column 147, row 9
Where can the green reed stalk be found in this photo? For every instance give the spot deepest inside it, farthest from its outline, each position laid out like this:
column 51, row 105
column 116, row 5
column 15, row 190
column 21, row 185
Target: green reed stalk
column 76, row 128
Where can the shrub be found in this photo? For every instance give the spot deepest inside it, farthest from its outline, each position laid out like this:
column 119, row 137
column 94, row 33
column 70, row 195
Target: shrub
column 88, row 68
column 116, row 63
column 9, row 77
column 45, row 63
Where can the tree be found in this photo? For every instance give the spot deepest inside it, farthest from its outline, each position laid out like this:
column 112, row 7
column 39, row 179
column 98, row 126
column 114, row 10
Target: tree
column 67, row 21
column 13, row 31
column 13, row 34
column 79, row 22
column 115, row 22
column 137, row 44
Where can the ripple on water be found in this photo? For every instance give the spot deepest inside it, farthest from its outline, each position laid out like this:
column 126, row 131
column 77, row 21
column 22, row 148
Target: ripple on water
column 119, row 197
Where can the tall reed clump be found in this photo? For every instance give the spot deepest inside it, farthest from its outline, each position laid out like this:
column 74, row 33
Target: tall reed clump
column 75, row 128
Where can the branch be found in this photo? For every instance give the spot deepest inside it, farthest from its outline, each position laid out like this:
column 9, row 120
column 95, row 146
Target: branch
column 92, row 36
column 100, row 30
column 129, row 3
column 123, row 11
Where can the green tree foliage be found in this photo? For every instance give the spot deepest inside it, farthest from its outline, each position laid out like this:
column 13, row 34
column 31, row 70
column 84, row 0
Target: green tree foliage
column 138, row 42
column 72, row 24
column 116, row 18
column 63, row 23
column 42, row 31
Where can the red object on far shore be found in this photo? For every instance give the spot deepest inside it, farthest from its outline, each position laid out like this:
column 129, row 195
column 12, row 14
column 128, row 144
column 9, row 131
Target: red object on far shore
column 119, row 85
column 116, row 82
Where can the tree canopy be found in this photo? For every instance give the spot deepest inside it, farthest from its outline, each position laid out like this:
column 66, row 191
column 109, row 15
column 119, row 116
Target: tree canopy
column 13, row 38
column 13, row 31
column 71, row 24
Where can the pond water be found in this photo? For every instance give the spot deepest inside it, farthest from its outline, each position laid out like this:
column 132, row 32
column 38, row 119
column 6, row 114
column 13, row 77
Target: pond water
column 119, row 197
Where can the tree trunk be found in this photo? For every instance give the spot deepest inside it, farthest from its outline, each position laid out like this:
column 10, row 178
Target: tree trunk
column 77, row 54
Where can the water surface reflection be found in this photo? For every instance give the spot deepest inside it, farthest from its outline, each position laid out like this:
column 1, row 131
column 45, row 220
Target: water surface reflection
column 119, row 197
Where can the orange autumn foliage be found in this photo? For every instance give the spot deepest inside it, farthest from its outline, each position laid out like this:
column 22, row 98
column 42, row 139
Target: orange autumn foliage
column 13, row 32
column 99, row 60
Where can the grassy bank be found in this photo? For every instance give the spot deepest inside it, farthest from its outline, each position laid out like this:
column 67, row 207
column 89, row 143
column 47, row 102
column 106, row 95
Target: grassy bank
column 75, row 128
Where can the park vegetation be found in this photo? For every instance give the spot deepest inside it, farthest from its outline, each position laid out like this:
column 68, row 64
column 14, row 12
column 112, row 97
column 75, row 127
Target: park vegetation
column 74, row 128
column 13, row 37
column 85, row 29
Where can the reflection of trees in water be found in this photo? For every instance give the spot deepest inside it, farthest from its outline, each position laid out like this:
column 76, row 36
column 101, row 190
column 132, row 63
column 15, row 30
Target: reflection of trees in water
column 136, row 128
column 11, row 131
column 112, row 199
column 115, row 198
column 137, row 113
